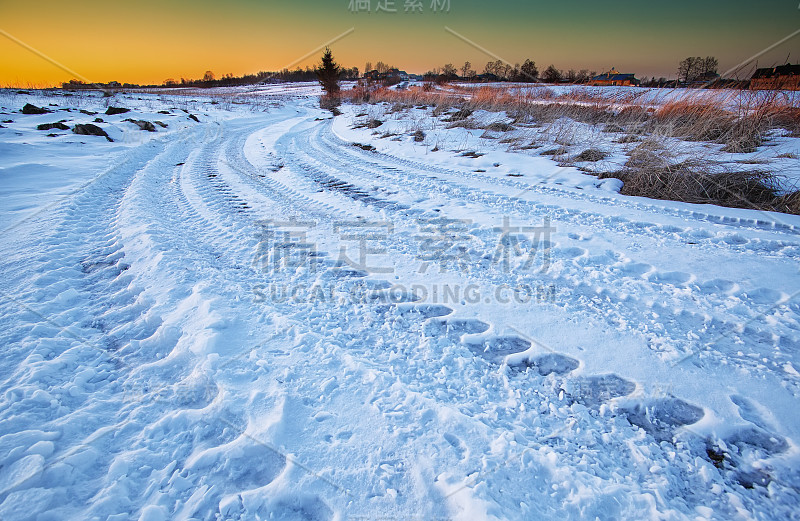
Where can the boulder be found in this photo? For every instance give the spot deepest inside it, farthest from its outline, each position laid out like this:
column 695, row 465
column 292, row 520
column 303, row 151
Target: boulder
column 142, row 124
column 116, row 110
column 50, row 126
column 33, row 109
column 87, row 129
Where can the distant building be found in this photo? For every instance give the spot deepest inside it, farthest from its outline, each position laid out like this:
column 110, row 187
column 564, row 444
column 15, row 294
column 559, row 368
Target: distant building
column 487, row 77
column 614, row 77
column 784, row 77
column 392, row 75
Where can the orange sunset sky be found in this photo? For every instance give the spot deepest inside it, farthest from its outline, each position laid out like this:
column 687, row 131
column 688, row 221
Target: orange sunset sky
column 149, row 41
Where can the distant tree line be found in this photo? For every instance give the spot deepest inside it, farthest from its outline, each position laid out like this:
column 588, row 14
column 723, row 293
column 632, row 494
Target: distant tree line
column 691, row 70
column 697, row 68
column 209, row 79
column 499, row 70
column 380, row 67
column 285, row 75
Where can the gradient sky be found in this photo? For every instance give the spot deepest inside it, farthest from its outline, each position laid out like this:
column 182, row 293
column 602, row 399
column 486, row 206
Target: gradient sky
column 148, row 41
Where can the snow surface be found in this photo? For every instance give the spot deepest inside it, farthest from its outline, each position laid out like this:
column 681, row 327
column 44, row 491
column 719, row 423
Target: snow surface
column 251, row 317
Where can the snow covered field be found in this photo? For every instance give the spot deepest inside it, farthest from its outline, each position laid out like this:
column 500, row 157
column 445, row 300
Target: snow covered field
column 268, row 313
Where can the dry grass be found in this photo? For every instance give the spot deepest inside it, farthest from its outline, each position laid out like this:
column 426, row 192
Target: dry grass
column 652, row 171
column 682, row 182
column 591, row 154
column 739, row 121
column 788, row 203
column 736, row 119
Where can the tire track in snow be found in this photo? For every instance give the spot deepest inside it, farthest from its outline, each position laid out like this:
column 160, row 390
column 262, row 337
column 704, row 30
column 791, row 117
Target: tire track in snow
column 390, row 163
column 185, row 234
column 651, row 296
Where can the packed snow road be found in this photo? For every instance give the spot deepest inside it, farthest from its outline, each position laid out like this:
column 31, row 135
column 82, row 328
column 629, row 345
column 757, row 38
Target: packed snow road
column 273, row 316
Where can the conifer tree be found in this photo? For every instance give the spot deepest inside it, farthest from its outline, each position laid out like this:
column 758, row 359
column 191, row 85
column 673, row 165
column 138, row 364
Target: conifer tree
column 328, row 75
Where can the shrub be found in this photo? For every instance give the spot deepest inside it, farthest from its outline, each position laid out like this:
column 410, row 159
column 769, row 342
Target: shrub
column 499, row 126
column 554, row 152
column 788, row 203
column 591, row 154
column 330, row 103
column 682, row 183
column 459, row 115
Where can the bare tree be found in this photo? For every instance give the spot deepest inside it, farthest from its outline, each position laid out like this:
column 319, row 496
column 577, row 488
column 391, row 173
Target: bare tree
column 528, row 71
column 552, row 75
column 465, row 69
column 687, row 69
column 367, row 67
column 449, row 71
column 693, row 67
column 208, row 76
column 496, row 67
column 572, row 76
column 710, row 65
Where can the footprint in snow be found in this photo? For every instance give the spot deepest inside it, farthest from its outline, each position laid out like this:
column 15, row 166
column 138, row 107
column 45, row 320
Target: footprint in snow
column 426, row 311
column 457, row 444
column 299, row 507
column 766, row 296
column 764, row 443
column 661, row 416
column 676, row 278
column 553, row 363
column 636, row 269
column 719, row 286
column 749, row 411
column 592, row 391
column 454, row 328
column 497, row 348
column 392, row 296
